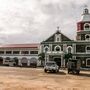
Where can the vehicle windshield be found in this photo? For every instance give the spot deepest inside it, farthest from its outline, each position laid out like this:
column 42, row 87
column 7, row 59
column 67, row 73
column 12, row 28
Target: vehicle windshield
column 50, row 64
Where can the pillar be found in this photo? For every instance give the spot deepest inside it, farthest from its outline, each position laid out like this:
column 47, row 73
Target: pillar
column 64, row 47
column 62, row 61
column 74, row 48
column 19, row 62
column 28, row 63
column 50, row 45
column 47, row 56
column 3, row 60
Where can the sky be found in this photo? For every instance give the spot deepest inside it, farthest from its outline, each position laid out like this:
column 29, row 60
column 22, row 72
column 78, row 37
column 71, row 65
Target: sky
column 32, row 21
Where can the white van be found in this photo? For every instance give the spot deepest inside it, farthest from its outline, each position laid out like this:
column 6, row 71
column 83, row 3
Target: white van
column 9, row 62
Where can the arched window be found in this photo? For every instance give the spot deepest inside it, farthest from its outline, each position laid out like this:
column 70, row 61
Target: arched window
column 86, row 26
column 69, row 49
column 87, row 37
column 46, row 49
column 87, row 49
column 57, row 48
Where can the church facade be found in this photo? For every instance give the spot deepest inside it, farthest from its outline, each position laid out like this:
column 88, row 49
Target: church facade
column 56, row 46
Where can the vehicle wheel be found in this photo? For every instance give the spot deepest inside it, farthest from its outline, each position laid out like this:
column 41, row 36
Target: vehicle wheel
column 77, row 72
column 45, row 70
column 57, row 71
column 35, row 66
column 68, row 71
column 14, row 64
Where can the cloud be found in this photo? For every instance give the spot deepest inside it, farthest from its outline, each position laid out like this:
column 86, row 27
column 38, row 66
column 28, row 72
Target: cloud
column 38, row 19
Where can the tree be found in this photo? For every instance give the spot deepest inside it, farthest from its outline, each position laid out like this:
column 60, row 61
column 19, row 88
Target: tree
column 42, row 57
column 67, row 56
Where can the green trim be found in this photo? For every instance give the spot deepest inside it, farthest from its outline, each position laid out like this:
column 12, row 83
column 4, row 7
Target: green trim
column 84, row 32
column 69, row 42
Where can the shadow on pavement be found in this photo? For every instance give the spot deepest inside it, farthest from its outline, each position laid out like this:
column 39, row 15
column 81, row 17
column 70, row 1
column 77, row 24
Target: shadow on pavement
column 58, row 73
column 85, row 74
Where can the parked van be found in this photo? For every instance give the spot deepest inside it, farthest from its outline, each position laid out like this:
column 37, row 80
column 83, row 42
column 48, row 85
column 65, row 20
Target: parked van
column 9, row 62
column 73, row 66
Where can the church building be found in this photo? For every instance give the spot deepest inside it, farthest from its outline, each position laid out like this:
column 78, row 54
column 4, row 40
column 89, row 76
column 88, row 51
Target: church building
column 57, row 45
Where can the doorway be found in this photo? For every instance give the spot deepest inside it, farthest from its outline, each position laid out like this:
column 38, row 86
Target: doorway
column 58, row 61
column 24, row 62
column 16, row 61
column 1, row 61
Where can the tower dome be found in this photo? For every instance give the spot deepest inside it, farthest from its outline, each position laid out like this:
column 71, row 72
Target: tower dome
column 85, row 15
column 83, row 26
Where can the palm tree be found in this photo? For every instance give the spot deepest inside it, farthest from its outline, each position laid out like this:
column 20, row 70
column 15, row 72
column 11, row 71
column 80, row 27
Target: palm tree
column 42, row 58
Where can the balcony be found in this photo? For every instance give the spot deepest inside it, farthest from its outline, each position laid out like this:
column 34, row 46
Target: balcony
column 55, row 52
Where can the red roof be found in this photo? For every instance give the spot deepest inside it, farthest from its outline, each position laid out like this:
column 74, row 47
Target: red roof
column 35, row 45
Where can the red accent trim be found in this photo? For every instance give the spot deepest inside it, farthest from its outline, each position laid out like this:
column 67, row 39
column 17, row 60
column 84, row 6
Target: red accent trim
column 80, row 25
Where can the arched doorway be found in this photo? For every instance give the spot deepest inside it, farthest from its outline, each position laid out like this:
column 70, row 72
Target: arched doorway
column 24, row 61
column 8, row 58
column 33, row 62
column 58, row 61
column 1, row 61
column 16, row 61
column 7, row 61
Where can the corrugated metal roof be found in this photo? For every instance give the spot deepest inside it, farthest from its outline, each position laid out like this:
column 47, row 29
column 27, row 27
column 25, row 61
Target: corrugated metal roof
column 33, row 45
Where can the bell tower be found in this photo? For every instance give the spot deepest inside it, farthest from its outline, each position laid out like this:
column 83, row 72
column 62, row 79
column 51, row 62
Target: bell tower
column 83, row 26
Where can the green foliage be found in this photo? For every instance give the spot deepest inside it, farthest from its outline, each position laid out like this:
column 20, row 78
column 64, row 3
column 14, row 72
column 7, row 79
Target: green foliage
column 68, row 55
column 41, row 56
